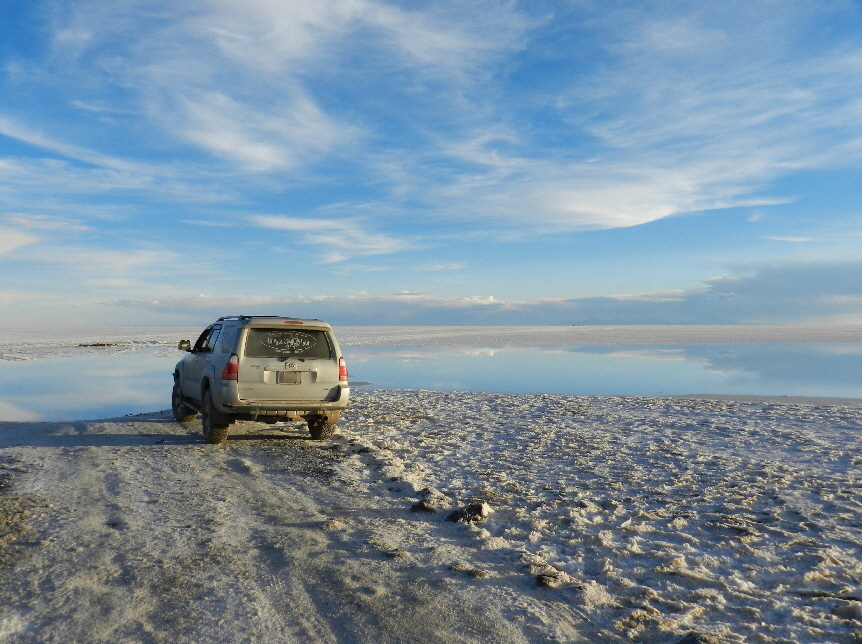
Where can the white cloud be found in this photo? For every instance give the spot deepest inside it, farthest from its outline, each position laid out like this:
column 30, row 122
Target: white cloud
column 260, row 140
column 791, row 293
column 791, row 240
column 45, row 222
column 207, row 222
column 688, row 113
column 11, row 413
column 20, row 132
column 101, row 260
column 448, row 266
column 343, row 237
column 679, row 108
column 233, row 78
column 11, row 239
column 14, row 298
column 89, row 270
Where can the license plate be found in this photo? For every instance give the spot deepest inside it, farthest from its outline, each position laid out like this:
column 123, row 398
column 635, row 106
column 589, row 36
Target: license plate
column 288, row 377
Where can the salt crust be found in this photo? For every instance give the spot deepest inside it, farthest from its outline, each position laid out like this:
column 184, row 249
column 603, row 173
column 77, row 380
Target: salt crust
column 660, row 515
column 614, row 519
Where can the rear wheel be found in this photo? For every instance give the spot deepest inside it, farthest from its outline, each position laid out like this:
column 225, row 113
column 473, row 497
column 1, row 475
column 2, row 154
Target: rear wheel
column 182, row 412
column 320, row 430
column 215, row 423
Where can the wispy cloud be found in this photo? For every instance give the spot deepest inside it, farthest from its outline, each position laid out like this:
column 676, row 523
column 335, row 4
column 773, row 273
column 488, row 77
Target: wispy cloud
column 343, row 238
column 236, row 79
column 12, row 239
column 447, row 132
column 791, row 240
column 681, row 109
column 45, row 222
column 260, row 140
column 696, row 110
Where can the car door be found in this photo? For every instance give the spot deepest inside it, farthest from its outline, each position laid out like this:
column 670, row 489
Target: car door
column 196, row 364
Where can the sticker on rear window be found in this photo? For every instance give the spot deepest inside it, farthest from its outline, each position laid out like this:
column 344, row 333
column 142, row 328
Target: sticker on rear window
column 262, row 343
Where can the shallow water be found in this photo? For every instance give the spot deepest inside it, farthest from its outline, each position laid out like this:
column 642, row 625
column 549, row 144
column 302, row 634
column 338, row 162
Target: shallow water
column 115, row 384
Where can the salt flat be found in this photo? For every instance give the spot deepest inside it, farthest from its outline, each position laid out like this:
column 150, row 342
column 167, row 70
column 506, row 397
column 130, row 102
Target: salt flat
column 606, row 519
column 613, row 520
column 31, row 343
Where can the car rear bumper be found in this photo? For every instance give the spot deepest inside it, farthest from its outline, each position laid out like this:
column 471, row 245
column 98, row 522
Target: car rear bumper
column 288, row 407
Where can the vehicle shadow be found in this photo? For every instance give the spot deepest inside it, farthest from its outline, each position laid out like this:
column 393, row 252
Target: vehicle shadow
column 268, row 437
column 76, row 435
column 126, row 431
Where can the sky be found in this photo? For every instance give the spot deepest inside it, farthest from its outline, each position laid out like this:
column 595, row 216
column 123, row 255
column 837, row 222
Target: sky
column 376, row 162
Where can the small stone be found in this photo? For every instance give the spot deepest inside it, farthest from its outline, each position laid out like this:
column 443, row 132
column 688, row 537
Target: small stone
column 424, row 507
column 699, row 638
column 547, row 581
column 397, row 553
column 434, row 498
column 331, row 525
column 474, row 512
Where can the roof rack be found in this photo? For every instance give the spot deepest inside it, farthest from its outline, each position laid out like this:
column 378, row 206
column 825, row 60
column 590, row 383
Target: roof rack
column 247, row 317
column 255, row 317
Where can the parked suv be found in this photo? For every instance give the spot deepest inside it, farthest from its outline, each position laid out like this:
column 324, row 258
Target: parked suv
column 262, row 368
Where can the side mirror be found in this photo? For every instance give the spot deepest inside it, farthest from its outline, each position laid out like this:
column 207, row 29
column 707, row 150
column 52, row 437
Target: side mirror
column 185, row 345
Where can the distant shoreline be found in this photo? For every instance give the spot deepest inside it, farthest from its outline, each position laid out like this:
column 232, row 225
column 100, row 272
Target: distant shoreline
column 480, row 335
column 780, row 400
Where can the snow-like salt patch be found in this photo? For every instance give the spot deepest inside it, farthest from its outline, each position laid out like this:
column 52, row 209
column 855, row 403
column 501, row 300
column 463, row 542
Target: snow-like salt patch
column 655, row 516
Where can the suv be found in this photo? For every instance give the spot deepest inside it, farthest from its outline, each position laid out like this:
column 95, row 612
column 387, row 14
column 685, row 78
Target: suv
column 261, row 368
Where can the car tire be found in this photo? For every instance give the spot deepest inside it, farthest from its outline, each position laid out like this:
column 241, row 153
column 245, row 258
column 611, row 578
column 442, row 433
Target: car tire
column 215, row 423
column 182, row 412
column 321, row 430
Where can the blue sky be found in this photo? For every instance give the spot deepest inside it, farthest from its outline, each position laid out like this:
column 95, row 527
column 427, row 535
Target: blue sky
column 381, row 162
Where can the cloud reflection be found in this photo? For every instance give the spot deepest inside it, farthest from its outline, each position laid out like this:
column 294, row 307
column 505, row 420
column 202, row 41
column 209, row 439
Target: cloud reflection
column 103, row 386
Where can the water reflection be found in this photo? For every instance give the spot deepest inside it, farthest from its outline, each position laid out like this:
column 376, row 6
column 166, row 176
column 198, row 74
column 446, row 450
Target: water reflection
column 103, row 386
column 763, row 369
column 86, row 387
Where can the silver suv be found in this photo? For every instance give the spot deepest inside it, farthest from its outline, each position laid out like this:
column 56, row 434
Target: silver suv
column 261, row 368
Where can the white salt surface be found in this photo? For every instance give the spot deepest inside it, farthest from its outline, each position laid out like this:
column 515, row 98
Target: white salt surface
column 28, row 344
column 650, row 517
column 605, row 519
column 644, row 518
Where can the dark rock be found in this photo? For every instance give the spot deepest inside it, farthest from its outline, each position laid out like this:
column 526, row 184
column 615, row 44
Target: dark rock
column 699, row 638
column 547, row 581
column 423, row 506
column 474, row 512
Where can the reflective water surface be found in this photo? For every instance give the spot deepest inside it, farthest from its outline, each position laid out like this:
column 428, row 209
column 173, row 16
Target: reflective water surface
column 102, row 386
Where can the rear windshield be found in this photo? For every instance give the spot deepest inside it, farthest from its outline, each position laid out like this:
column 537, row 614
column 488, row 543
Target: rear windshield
column 277, row 343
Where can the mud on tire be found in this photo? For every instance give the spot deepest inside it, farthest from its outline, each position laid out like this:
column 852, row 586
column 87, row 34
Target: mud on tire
column 320, row 430
column 182, row 412
column 215, row 424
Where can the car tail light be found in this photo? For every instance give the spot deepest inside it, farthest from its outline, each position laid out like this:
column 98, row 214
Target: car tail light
column 231, row 369
column 342, row 371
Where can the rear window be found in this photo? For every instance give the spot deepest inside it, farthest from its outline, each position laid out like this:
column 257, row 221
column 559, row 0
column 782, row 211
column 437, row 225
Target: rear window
column 277, row 343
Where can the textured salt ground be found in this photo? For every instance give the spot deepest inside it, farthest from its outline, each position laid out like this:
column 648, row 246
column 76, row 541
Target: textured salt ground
column 651, row 517
column 614, row 520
